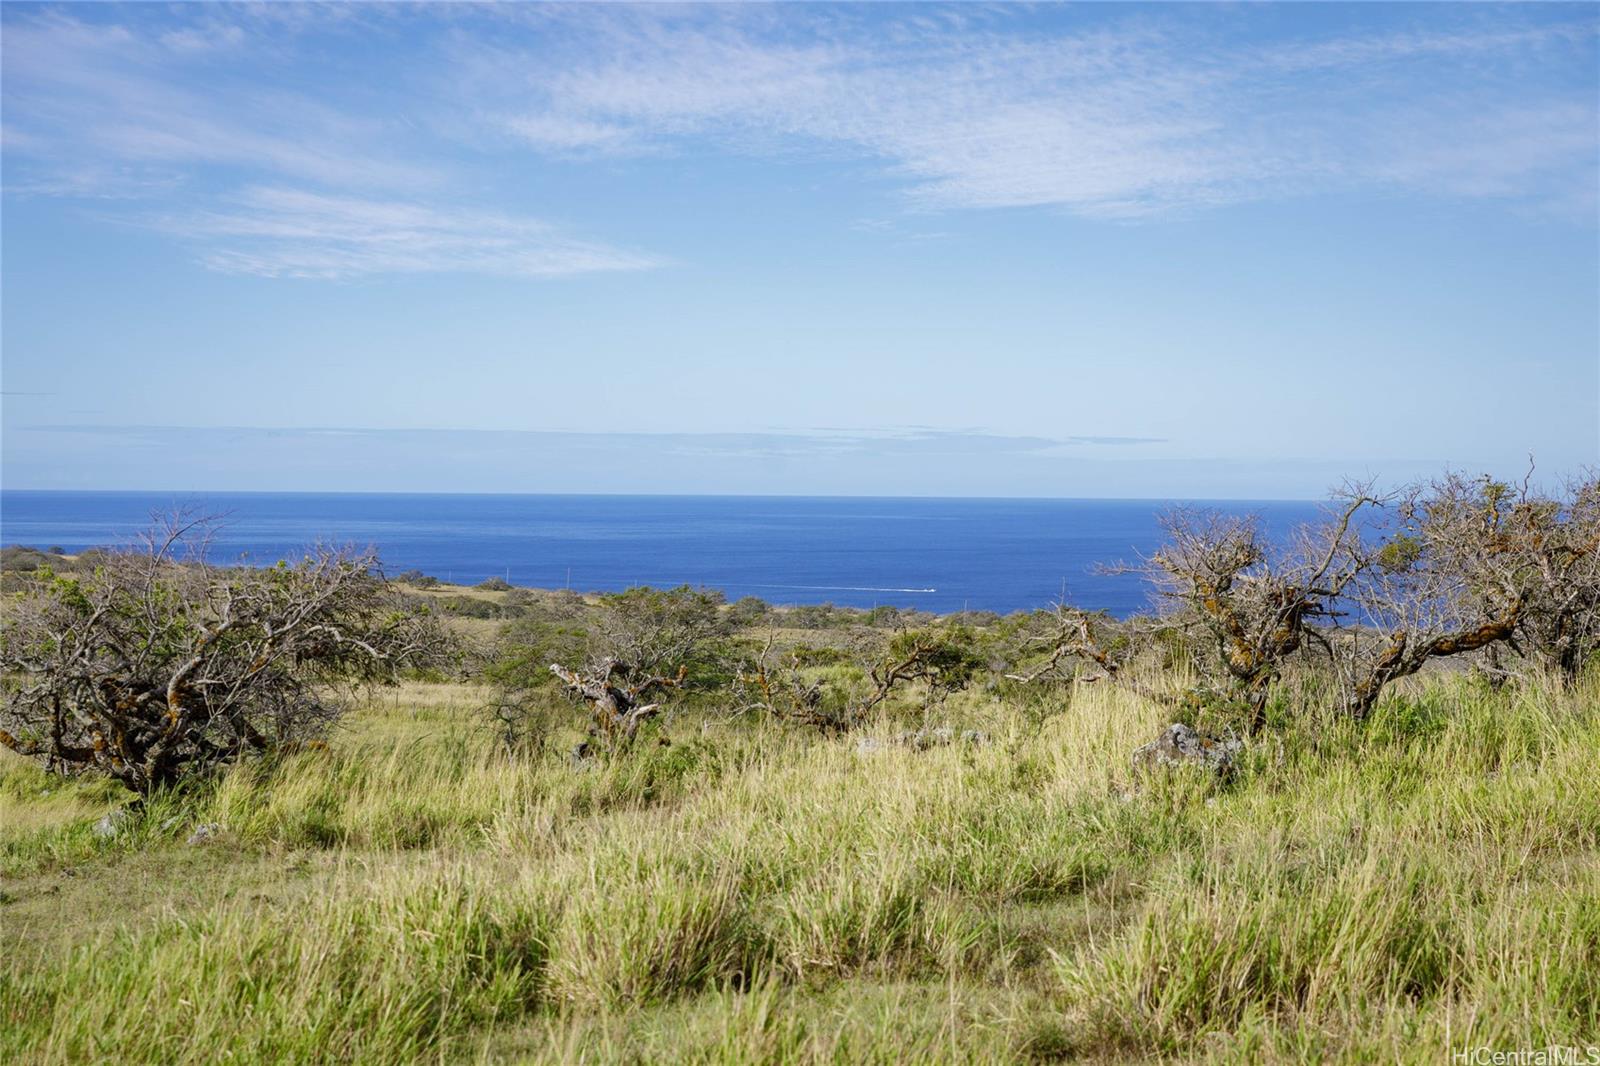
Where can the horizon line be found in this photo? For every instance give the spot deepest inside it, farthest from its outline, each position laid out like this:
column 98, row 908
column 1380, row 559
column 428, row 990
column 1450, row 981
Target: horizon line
column 680, row 495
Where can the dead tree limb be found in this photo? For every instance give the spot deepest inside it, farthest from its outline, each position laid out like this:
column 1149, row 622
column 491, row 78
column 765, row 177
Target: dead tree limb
column 616, row 697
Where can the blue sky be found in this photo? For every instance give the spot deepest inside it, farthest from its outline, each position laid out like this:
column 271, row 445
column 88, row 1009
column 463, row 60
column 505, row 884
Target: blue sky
column 1114, row 250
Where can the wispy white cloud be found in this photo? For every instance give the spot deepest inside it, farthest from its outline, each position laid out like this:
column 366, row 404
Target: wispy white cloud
column 559, row 133
column 141, row 112
column 281, row 232
column 93, row 181
column 840, row 443
column 1510, row 145
column 204, row 38
column 963, row 108
column 1123, row 121
column 335, row 459
column 92, row 95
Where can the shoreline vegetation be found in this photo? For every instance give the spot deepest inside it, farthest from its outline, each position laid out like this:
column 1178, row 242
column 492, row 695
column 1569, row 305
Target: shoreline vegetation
column 655, row 826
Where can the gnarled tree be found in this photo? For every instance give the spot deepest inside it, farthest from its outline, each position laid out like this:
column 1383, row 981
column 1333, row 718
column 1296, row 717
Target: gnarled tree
column 652, row 630
column 643, row 643
column 1559, row 538
column 1254, row 601
column 1070, row 637
column 159, row 664
column 944, row 658
column 774, row 682
column 616, row 694
column 1448, row 574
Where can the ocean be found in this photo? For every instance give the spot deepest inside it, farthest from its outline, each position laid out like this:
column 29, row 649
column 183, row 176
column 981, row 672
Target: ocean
column 932, row 554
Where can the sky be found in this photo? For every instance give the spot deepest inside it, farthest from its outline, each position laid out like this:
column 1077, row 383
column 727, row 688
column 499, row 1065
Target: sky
column 1117, row 250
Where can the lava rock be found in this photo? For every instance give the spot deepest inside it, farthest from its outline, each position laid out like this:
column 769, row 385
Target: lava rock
column 1181, row 745
column 204, row 834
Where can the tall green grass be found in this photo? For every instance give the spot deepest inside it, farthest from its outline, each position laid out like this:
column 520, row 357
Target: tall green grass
column 752, row 894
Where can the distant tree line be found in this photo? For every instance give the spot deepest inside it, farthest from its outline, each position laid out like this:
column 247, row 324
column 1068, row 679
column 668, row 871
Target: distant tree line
column 1385, row 584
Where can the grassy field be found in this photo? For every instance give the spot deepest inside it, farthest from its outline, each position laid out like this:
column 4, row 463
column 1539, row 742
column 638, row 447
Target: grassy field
column 750, row 893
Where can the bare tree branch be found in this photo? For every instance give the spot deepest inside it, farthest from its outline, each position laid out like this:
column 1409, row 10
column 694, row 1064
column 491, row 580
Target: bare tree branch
column 160, row 664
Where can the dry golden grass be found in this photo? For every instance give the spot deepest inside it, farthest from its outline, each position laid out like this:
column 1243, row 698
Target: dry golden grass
column 753, row 894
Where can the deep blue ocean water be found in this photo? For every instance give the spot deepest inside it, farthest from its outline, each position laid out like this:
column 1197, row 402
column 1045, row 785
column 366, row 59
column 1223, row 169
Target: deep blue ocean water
column 933, row 554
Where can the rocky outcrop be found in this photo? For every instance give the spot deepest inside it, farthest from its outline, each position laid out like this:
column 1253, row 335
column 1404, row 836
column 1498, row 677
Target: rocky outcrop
column 1181, row 745
column 204, row 834
column 112, row 824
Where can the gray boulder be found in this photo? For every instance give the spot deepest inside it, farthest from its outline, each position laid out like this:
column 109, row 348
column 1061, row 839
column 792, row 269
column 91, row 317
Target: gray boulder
column 1180, row 745
column 204, row 834
column 111, row 824
column 916, row 739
